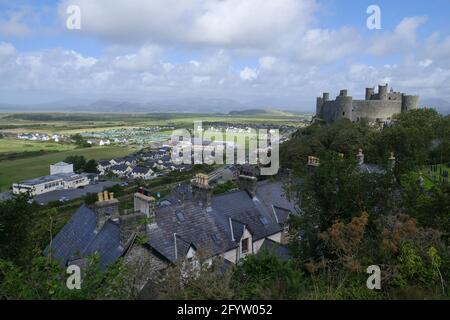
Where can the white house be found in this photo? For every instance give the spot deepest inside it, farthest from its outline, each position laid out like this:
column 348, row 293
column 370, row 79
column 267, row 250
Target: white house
column 141, row 173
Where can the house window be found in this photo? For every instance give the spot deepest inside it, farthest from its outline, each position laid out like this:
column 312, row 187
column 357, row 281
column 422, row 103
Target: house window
column 244, row 245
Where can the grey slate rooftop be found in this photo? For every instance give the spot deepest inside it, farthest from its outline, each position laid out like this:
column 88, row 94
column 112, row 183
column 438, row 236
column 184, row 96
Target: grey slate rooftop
column 79, row 239
column 211, row 230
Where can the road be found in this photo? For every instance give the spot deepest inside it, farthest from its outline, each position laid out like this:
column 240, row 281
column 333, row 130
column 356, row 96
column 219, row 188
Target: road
column 71, row 194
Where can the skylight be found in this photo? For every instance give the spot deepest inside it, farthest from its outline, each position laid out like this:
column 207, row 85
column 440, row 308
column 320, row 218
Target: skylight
column 180, row 217
column 215, row 237
column 264, row 220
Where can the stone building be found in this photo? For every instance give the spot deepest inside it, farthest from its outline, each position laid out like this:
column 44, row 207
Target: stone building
column 376, row 107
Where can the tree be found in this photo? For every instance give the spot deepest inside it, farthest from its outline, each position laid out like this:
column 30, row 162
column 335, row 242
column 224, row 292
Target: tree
column 91, row 166
column 80, row 141
column 45, row 279
column 411, row 138
column 79, row 162
column 334, row 191
column 15, row 224
column 265, row 276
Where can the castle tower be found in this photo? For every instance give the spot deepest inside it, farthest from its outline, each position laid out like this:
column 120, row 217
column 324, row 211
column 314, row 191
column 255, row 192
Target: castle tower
column 409, row 102
column 369, row 93
column 383, row 92
column 319, row 106
column 320, row 102
column 344, row 106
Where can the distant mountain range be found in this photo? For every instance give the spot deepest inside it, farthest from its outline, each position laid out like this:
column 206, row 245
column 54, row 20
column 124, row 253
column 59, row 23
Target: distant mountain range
column 181, row 105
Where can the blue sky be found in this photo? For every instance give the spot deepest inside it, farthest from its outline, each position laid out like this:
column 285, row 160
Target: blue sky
column 262, row 53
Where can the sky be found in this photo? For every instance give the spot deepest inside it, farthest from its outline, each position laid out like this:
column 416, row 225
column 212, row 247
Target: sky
column 262, row 53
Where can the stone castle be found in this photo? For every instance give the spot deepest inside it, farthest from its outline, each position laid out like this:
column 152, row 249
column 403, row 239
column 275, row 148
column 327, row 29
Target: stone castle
column 376, row 107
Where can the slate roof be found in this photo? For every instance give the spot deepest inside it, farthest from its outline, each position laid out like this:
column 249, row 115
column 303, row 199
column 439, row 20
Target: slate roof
column 272, row 193
column 279, row 250
column 282, row 214
column 209, row 229
column 79, row 239
column 140, row 170
column 104, row 163
column 371, row 168
column 119, row 167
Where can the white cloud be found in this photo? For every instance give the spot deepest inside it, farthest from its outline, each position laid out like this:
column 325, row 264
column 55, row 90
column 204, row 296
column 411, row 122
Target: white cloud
column 401, row 40
column 7, row 49
column 425, row 63
column 267, row 62
column 325, row 46
column 248, row 74
column 223, row 23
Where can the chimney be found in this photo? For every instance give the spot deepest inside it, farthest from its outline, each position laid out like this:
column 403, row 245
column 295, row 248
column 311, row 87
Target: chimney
column 201, row 190
column 131, row 225
column 144, row 203
column 360, row 157
column 105, row 209
column 313, row 161
column 249, row 184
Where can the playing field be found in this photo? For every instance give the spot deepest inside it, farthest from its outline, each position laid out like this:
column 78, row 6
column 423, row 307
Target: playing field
column 12, row 171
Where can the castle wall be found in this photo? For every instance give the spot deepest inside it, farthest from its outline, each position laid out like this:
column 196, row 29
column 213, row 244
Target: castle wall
column 377, row 106
column 375, row 109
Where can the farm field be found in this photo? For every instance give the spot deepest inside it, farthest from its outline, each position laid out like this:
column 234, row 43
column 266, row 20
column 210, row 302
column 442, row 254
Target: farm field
column 15, row 145
column 22, row 169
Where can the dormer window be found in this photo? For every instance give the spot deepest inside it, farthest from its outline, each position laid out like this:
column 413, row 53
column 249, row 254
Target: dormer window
column 244, row 245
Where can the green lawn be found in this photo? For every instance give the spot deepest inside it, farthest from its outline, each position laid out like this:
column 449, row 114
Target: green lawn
column 429, row 177
column 12, row 171
column 15, row 145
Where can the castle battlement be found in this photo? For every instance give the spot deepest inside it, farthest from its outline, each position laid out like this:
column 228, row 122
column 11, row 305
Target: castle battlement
column 379, row 106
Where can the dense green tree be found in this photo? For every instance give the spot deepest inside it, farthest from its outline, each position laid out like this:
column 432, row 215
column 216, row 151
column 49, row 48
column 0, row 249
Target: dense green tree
column 265, row 276
column 15, row 225
column 91, row 166
column 45, row 279
column 79, row 162
column 80, row 141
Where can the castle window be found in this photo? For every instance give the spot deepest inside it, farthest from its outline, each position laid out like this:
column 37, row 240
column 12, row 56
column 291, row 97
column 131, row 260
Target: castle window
column 343, row 113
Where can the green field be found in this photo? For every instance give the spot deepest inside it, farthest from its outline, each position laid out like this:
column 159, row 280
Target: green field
column 22, row 169
column 14, row 146
column 77, row 123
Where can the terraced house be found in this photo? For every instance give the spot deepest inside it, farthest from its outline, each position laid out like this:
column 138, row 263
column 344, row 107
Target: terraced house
column 187, row 223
